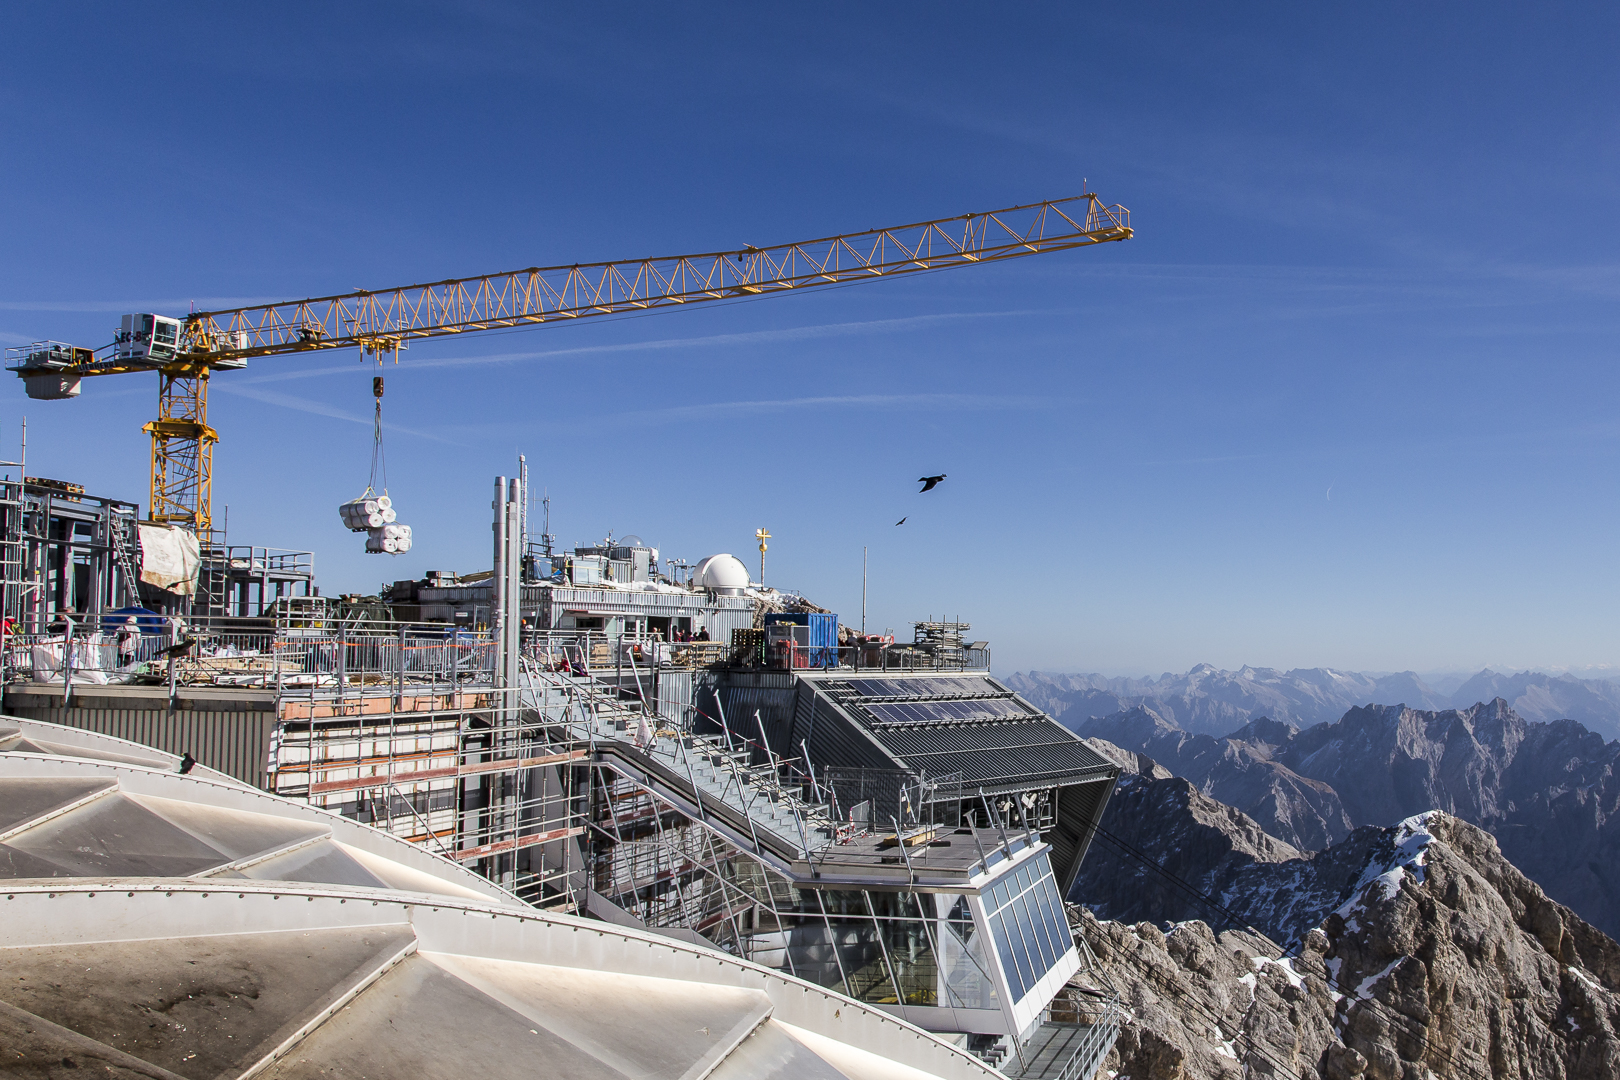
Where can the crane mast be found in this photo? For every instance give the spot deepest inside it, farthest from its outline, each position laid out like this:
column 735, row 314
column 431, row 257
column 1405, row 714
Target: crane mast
column 186, row 351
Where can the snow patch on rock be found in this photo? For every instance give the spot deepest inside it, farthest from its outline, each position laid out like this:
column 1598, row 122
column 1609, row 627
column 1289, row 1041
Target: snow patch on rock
column 1412, row 839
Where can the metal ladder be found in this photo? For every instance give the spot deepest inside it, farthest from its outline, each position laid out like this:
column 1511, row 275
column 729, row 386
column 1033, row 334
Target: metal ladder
column 124, row 553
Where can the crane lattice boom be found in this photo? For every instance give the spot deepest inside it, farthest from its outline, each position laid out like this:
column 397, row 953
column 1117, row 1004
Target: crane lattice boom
column 547, row 294
column 187, row 350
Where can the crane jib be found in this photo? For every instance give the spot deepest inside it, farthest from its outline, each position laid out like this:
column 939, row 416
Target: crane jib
column 538, row 295
column 185, row 350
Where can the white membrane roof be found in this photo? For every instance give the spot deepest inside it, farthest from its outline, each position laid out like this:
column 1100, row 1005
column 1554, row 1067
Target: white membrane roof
column 159, row 925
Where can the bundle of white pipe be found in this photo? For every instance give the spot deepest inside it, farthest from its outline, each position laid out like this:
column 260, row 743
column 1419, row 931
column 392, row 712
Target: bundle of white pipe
column 368, row 512
column 388, row 540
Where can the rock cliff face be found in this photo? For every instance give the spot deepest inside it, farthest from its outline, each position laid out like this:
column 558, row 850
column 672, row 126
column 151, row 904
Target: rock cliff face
column 1208, row 850
column 1548, row 792
column 1441, row 960
column 1239, row 770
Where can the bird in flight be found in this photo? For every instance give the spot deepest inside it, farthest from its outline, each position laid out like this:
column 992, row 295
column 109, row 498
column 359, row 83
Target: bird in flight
column 902, row 521
column 929, row 483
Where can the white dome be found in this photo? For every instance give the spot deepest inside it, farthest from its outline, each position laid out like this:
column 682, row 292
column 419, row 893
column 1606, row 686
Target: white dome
column 725, row 573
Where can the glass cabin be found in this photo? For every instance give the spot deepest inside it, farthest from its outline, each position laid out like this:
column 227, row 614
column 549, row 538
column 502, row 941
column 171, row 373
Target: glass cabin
column 150, row 339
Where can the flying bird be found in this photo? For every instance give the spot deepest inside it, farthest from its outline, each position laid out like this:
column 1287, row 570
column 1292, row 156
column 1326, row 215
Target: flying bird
column 902, row 521
column 929, row 483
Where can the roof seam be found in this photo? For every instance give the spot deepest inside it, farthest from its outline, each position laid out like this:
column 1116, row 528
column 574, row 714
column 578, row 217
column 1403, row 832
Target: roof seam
column 56, row 812
column 326, row 1013
column 263, row 856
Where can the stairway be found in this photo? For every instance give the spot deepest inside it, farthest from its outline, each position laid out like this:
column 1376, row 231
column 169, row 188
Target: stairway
column 714, row 773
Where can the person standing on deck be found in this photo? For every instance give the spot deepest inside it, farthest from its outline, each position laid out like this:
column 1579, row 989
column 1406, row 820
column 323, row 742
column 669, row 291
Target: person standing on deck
column 128, row 634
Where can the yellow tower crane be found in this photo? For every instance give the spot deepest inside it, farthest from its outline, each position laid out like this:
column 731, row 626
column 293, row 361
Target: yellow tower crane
column 186, row 351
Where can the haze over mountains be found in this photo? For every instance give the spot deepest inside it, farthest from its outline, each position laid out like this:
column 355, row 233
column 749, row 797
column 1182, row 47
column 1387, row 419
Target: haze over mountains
column 1216, row 702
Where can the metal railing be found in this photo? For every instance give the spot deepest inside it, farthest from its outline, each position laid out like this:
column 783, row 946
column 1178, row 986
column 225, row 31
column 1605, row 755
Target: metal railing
column 260, row 658
column 1096, row 1022
column 236, row 651
column 911, row 658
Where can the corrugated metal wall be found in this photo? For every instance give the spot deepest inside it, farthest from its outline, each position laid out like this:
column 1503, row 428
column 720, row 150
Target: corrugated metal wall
column 675, row 694
column 771, row 694
column 834, row 739
column 236, row 743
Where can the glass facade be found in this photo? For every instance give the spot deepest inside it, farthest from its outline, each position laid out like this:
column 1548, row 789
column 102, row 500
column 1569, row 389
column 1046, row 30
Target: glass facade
column 887, row 948
column 914, row 948
column 1025, row 912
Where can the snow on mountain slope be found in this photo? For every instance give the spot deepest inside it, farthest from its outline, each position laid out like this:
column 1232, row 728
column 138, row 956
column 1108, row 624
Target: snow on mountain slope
column 1439, row 958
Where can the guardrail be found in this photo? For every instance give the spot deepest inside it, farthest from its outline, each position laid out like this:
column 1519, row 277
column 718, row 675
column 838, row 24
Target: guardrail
column 253, row 652
column 262, row 659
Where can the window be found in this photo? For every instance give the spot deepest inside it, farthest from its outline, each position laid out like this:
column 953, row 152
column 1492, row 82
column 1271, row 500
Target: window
column 886, row 947
column 1027, row 922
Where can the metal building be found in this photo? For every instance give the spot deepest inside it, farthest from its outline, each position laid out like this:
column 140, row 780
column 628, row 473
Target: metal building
column 892, row 825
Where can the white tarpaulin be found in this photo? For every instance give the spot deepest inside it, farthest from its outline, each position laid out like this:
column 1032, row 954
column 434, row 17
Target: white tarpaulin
column 169, row 558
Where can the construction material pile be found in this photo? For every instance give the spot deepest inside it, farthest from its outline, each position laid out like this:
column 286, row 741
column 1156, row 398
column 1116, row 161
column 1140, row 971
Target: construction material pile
column 374, row 515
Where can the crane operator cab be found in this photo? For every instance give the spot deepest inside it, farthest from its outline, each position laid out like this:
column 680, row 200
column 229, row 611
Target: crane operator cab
column 148, row 339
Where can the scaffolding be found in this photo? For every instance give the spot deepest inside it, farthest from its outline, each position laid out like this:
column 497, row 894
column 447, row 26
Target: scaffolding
column 245, row 581
column 62, row 552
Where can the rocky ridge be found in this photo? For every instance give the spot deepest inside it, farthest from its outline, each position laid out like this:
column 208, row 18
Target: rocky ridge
column 1548, row 792
column 1442, row 959
column 1213, row 702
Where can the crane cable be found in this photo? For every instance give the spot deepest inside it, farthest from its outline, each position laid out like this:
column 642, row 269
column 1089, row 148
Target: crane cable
column 379, row 467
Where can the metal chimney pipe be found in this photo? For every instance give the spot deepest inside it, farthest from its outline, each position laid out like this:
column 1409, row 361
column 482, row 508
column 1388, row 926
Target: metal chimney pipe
column 497, row 581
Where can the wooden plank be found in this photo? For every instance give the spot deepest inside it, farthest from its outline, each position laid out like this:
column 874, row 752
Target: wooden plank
column 500, row 847
column 357, row 783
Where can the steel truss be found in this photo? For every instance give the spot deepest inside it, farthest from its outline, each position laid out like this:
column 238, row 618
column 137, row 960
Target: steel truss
column 183, row 452
column 381, row 322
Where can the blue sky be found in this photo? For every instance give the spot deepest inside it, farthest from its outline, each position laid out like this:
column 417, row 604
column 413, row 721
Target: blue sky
column 1348, row 398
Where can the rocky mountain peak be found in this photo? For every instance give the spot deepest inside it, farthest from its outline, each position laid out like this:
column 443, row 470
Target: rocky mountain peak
column 1264, row 732
column 1213, row 702
column 1437, row 959
column 1390, row 761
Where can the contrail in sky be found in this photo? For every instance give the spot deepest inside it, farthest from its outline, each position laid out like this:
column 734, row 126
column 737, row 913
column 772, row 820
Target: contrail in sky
column 321, row 408
column 795, row 333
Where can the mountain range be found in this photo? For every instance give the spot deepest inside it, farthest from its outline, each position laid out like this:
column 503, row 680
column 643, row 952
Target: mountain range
column 1215, row 702
column 1548, row 792
column 1414, row 950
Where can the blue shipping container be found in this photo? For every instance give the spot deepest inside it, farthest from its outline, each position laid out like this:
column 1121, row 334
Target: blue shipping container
column 823, row 634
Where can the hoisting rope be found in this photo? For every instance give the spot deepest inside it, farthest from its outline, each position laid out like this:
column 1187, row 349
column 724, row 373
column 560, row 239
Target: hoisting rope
column 379, row 467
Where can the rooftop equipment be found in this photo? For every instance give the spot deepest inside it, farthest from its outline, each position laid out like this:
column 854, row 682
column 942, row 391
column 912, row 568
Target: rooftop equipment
column 187, row 351
column 725, row 574
column 801, row 639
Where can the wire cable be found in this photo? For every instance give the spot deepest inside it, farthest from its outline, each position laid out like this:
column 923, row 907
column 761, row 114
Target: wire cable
column 379, row 466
